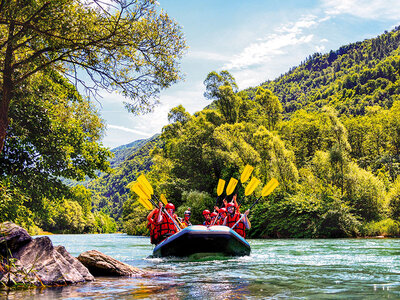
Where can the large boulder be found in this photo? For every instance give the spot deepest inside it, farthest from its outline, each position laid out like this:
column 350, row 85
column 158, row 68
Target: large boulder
column 12, row 237
column 39, row 263
column 100, row 264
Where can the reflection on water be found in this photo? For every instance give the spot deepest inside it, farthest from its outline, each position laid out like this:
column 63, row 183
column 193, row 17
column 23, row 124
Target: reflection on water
column 301, row 269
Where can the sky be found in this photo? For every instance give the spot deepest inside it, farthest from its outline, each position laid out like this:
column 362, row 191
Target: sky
column 255, row 41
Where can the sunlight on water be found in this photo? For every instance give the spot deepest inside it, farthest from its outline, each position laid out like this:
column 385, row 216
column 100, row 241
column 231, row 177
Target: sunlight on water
column 301, row 269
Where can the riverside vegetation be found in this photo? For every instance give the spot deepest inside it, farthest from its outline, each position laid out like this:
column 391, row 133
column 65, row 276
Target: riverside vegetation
column 328, row 130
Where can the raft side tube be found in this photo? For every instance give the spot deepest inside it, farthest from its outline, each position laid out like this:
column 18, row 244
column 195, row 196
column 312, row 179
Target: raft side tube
column 201, row 239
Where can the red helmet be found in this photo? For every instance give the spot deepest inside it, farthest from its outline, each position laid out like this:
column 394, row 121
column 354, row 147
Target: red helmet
column 170, row 206
column 206, row 212
column 214, row 214
column 230, row 204
column 222, row 210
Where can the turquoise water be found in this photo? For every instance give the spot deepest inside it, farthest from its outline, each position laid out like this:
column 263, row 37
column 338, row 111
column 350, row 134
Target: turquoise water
column 276, row 269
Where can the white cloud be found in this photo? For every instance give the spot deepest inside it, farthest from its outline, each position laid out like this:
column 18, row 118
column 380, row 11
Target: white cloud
column 266, row 49
column 127, row 129
column 367, row 9
column 297, row 27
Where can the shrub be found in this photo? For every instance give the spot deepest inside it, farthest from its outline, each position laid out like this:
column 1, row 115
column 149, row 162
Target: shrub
column 387, row 227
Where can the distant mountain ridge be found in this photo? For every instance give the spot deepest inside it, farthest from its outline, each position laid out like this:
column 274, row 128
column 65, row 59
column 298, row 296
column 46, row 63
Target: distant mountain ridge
column 121, row 153
column 349, row 79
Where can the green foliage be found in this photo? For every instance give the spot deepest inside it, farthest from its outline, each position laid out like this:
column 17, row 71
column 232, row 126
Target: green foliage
column 197, row 201
column 134, row 218
column 272, row 107
column 104, row 223
column 365, row 193
column 304, row 215
column 350, row 79
column 328, row 130
column 12, row 206
column 222, row 87
column 393, row 199
column 386, row 227
column 54, row 132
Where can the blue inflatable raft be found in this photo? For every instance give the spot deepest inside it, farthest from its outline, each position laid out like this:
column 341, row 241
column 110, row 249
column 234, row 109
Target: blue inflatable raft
column 199, row 239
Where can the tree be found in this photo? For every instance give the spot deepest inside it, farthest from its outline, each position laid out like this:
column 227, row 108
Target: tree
column 271, row 106
column 124, row 46
column 214, row 81
column 222, row 87
column 178, row 114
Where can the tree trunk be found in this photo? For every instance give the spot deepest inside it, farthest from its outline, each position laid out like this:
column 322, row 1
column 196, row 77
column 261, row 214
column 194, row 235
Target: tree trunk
column 5, row 102
column 6, row 92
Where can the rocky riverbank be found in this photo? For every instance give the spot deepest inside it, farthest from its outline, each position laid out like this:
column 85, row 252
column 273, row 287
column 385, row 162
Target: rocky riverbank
column 27, row 261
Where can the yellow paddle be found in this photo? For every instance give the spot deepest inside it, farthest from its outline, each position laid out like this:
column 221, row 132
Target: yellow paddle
column 231, row 186
column 163, row 199
column 220, row 187
column 246, row 173
column 268, row 189
column 254, row 182
column 145, row 203
column 144, row 192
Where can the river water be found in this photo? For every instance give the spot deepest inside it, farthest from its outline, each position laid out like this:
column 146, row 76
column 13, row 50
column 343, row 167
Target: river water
column 276, row 269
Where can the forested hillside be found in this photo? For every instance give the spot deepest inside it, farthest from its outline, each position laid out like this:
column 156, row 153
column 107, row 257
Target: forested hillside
column 349, row 79
column 110, row 189
column 328, row 130
column 49, row 132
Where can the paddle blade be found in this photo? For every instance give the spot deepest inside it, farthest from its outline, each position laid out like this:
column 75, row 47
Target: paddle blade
column 144, row 182
column 145, row 203
column 163, row 199
column 231, row 186
column 246, row 173
column 220, row 187
column 140, row 191
column 254, row 182
column 268, row 189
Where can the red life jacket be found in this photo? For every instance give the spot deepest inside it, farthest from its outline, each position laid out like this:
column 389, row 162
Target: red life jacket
column 153, row 228
column 207, row 223
column 239, row 228
column 220, row 221
column 166, row 227
column 154, row 232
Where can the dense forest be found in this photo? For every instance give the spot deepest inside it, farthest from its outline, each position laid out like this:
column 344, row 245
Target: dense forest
column 50, row 134
column 328, row 130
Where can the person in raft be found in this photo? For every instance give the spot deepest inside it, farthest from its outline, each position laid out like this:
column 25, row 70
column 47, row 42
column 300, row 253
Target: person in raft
column 153, row 227
column 214, row 215
column 233, row 216
column 221, row 216
column 186, row 217
column 167, row 226
column 207, row 217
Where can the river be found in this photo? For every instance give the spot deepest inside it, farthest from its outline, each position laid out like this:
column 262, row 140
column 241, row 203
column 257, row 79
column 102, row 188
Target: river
column 276, row 269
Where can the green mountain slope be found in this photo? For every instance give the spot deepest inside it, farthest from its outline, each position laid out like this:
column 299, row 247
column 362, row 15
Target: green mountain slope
column 349, row 79
column 129, row 161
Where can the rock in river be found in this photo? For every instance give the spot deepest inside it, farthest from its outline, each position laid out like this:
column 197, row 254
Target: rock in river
column 37, row 261
column 12, row 237
column 100, row 264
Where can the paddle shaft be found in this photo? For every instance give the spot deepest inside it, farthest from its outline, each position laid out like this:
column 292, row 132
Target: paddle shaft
column 244, row 214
